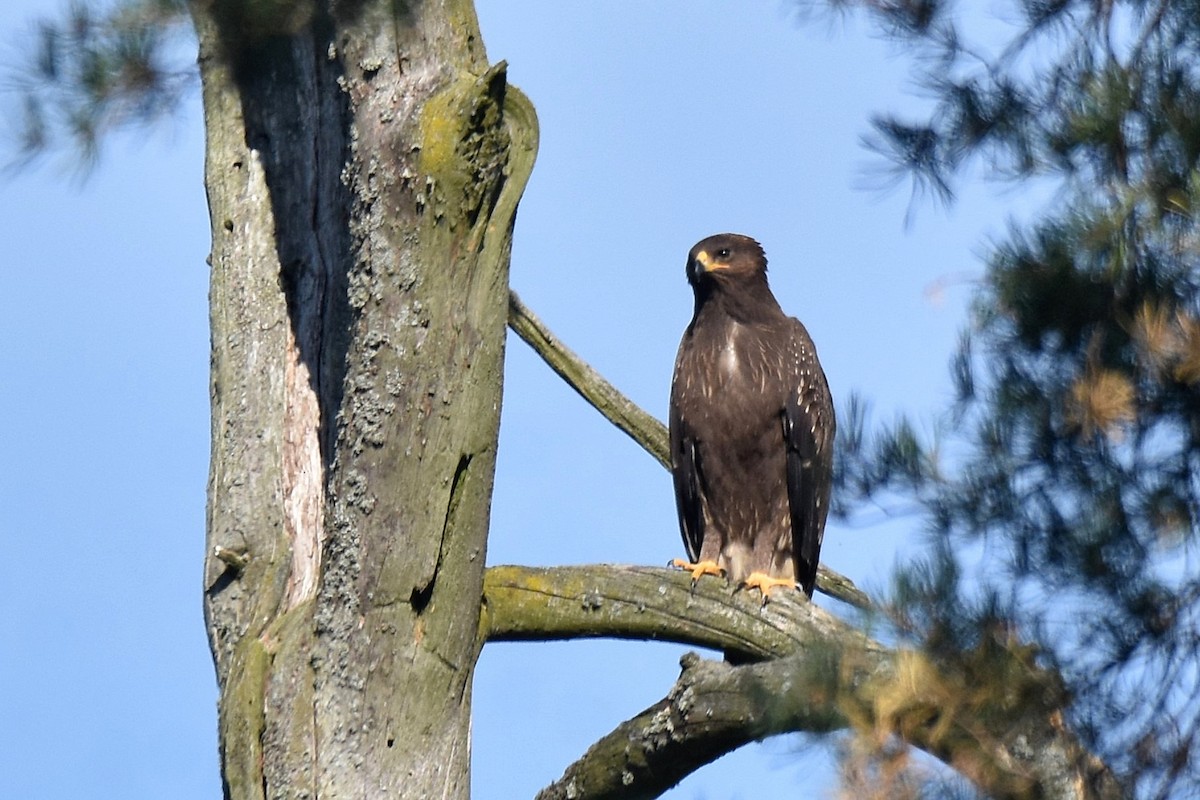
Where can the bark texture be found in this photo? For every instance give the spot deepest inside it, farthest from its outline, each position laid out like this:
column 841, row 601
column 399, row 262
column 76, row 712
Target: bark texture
column 363, row 169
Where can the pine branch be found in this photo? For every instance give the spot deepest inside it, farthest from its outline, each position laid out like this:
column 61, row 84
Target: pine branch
column 642, row 427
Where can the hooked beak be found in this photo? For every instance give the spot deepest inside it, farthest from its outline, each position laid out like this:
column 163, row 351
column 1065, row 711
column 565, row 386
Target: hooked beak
column 703, row 263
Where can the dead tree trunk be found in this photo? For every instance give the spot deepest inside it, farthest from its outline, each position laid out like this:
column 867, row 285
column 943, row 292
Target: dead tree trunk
column 363, row 170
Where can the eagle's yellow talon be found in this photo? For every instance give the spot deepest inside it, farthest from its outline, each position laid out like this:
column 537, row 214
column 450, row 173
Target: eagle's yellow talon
column 765, row 583
column 699, row 568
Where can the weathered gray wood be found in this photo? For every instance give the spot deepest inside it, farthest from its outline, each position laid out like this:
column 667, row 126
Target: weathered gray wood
column 363, row 169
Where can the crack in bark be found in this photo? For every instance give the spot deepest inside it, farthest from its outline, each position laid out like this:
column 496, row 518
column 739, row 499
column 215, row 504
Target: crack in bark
column 421, row 595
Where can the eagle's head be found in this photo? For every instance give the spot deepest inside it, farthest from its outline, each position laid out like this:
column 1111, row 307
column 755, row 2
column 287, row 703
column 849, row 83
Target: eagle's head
column 725, row 258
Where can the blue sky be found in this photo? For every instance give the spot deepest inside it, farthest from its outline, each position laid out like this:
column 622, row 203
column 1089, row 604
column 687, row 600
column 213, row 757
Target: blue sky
column 661, row 123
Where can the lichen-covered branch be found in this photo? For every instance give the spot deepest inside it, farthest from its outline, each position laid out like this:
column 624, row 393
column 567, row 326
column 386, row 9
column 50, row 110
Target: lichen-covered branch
column 821, row 674
column 650, row 603
column 618, row 409
column 712, row 709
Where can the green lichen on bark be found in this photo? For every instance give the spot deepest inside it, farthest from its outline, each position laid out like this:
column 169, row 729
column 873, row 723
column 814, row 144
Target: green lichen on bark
column 242, row 720
column 643, row 603
column 288, row 702
column 478, row 136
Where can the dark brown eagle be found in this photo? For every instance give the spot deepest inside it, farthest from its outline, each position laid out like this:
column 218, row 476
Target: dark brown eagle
column 752, row 427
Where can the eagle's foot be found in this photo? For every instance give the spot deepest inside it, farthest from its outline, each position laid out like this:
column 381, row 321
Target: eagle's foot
column 765, row 583
column 699, row 568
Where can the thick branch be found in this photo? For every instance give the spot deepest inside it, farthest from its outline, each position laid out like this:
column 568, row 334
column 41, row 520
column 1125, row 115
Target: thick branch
column 712, row 709
column 825, row 675
column 649, row 603
column 626, row 415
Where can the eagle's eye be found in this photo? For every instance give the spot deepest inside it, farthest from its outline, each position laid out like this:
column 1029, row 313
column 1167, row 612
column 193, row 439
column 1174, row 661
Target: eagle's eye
column 723, row 252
